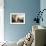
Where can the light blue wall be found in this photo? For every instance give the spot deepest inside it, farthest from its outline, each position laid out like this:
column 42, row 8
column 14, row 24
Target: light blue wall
column 29, row 7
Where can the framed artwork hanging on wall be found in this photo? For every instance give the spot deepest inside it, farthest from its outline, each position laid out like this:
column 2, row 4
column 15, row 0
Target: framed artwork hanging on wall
column 17, row 18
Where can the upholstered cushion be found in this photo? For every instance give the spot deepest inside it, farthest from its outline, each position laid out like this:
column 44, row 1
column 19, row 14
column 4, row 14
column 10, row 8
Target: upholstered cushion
column 20, row 42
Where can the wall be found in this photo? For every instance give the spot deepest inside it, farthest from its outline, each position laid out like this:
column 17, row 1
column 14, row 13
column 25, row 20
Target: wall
column 29, row 7
column 43, row 6
column 1, row 20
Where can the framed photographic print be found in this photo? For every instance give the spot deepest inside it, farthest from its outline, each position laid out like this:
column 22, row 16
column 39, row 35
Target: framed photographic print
column 17, row 18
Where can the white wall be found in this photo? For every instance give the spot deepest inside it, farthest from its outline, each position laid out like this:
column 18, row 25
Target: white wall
column 43, row 6
column 1, row 20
